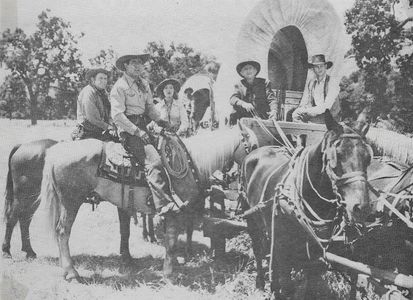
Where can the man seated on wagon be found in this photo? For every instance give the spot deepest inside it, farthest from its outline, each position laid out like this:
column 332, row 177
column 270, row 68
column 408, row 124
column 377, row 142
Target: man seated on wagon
column 132, row 101
column 252, row 95
column 315, row 100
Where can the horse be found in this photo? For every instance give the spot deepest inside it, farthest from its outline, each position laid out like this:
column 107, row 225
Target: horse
column 24, row 177
column 386, row 245
column 69, row 175
column 26, row 162
column 311, row 195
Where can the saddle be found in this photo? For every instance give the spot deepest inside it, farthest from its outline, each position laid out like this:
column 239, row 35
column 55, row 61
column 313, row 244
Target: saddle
column 117, row 165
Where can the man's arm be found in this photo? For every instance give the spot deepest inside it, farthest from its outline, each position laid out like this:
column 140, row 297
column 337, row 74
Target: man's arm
column 235, row 99
column 150, row 108
column 118, row 108
column 89, row 103
column 306, row 99
column 272, row 99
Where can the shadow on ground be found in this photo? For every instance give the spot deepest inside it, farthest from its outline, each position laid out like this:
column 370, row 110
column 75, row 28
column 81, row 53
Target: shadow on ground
column 200, row 271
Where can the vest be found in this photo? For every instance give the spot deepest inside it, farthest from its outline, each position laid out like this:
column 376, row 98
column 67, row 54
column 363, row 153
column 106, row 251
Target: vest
column 256, row 94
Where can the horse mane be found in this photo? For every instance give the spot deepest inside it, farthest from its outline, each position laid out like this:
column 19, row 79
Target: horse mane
column 389, row 143
column 212, row 150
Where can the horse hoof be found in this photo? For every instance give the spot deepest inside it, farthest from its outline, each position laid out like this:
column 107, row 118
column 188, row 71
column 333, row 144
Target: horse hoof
column 145, row 238
column 260, row 284
column 70, row 275
column 7, row 255
column 154, row 240
column 167, row 271
column 31, row 255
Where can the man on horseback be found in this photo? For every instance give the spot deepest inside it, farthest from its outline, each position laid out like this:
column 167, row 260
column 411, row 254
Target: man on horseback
column 93, row 108
column 315, row 100
column 132, row 102
column 252, row 95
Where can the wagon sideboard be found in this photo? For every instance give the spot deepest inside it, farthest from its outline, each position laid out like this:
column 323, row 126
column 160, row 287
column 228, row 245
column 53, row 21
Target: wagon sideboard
column 313, row 132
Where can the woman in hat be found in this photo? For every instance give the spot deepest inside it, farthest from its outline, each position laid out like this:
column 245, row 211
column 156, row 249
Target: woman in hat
column 93, row 107
column 315, row 100
column 252, row 95
column 170, row 107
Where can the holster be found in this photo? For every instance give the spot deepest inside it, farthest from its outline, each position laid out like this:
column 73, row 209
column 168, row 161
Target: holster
column 139, row 121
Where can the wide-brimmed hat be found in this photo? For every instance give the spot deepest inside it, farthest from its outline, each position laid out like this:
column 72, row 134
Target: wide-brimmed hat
column 93, row 72
column 319, row 59
column 121, row 60
column 253, row 63
column 161, row 86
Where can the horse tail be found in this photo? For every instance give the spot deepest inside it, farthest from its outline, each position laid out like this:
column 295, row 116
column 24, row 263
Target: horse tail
column 8, row 203
column 51, row 197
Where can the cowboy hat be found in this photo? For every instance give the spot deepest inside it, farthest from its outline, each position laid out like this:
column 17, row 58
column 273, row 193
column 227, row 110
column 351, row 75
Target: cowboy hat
column 93, row 72
column 161, row 86
column 121, row 60
column 319, row 59
column 253, row 63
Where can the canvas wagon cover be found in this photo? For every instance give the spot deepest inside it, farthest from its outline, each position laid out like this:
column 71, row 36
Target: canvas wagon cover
column 314, row 22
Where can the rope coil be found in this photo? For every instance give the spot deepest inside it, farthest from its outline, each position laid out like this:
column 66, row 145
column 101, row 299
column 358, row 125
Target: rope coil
column 173, row 157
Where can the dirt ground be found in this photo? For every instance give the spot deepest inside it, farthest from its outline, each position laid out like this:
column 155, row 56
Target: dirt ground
column 95, row 248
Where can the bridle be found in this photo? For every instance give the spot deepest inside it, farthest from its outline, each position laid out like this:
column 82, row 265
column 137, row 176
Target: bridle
column 341, row 219
column 330, row 163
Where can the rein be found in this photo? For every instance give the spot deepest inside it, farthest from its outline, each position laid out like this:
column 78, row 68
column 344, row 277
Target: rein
column 303, row 211
column 290, row 148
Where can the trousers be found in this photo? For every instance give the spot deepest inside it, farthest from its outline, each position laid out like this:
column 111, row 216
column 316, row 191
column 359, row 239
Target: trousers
column 155, row 173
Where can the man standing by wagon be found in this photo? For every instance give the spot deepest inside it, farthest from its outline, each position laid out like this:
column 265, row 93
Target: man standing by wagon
column 131, row 100
column 315, row 100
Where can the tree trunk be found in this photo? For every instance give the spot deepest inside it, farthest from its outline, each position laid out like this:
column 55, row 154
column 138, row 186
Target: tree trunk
column 33, row 106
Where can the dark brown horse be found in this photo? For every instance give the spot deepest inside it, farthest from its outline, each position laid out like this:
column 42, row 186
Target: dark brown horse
column 386, row 244
column 24, row 177
column 323, row 187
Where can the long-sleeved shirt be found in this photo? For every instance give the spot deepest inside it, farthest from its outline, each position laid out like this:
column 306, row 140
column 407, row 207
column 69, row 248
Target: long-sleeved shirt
column 91, row 110
column 127, row 97
column 315, row 96
column 259, row 94
column 175, row 114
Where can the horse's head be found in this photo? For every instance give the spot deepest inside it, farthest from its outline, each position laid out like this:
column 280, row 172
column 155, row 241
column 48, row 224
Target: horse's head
column 249, row 138
column 346, row 156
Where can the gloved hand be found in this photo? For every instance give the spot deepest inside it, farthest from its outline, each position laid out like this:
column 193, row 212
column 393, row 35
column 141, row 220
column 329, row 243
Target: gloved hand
column 273, row 114
column 247, row 106
column 143, row 135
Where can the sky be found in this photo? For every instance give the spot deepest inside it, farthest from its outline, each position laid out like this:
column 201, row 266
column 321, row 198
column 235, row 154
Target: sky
column 209, row 26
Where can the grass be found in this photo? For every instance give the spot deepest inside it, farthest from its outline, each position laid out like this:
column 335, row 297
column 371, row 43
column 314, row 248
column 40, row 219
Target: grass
column 95, row 246
column 95, row 243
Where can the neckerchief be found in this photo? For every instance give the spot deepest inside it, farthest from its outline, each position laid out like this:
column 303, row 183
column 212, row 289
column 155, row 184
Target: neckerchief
column 105, row 100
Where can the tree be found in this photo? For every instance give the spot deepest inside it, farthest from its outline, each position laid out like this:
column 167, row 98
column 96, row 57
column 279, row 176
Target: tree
column 13, row 98
column 106, row 59
column 379, row 42
column 179, row 62
column 47, row 58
